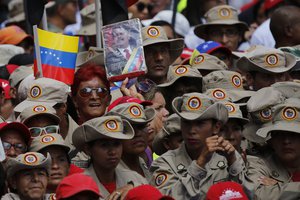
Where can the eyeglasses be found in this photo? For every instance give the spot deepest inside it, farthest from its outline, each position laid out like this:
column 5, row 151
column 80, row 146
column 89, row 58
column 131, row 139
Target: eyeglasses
column 37, row 131
column 18, row 147
column 145, row 85
column 228, row 32
column 87, row 91
column 141, row 6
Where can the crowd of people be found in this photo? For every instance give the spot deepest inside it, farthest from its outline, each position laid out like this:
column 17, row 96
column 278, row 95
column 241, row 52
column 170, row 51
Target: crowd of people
column 216, row 116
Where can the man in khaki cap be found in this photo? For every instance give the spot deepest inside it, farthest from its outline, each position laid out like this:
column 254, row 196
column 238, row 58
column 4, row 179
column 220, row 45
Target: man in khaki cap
column 265, row 66
column 278, row 174
column 100, row 138
column 54, row 145
column 259, row 109
column 181, row 79
column 134, row 148
column 169, row 138
column 229, row 80
column 28, row 175
column 204, row 157
column 160, row 52
column 222, row 25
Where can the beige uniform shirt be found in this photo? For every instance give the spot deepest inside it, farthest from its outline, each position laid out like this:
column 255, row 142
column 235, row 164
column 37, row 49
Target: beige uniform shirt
column 176, row 175
column 271, row 167
column 123, row 177
column 143, row 166
column 13, row 196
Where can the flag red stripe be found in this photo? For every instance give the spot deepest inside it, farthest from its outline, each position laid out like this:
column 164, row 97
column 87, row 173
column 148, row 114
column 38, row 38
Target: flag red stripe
column 61, row 74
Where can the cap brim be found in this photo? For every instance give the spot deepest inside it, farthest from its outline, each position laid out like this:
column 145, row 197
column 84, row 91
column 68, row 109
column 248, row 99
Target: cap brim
column 176, row 46
column 200, row 30
column 80, row 137
column 87, row 30
column 278, row 126
column 81, row 59
column 249, row 132
column 247, row 65
column 237, row 95
column 27, row 103
column 216, row 111
column 20, row 127
column 52, row 116
column 149, row 114
column 18, row 18
column 20, row 166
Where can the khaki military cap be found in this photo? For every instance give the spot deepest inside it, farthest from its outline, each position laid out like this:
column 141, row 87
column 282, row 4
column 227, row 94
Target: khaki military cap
column 218, row 94
column 179, row 71
column 48, row 140
column 7, row 51
column 249, row 132
column 229, row 80
column 204, row 61
column 197, row 106
column 133, row 112
column 157, row 35
column 286, row 118
column 19, row 74
column 102, row 127
column 288, row 89
column 264, row 98
column 94, row 55
column 295, row 50
column 266, row 60
column 234, row 112
column 29, row 160
column 38, row 110
column 44, row 91
column 16, row 12
column 88, row 23
column 220, row 15
column 171, row 126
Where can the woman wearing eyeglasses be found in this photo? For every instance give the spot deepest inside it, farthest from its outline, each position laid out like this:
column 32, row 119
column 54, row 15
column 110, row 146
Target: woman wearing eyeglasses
column 15, row 138
column 90, row 92
column 141, row 9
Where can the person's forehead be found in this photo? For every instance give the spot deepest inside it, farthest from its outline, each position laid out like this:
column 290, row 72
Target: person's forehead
column 223, row 27
column 54, row 150
column 11, row 134
column 157, row 46
column 40, row 120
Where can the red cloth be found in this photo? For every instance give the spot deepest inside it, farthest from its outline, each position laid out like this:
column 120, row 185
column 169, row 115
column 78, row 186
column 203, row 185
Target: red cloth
column 74, row 170
column 296, row 177
column 110, row 187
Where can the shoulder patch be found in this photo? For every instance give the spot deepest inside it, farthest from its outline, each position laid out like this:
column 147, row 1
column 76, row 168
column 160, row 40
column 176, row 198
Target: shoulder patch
column 160, row 179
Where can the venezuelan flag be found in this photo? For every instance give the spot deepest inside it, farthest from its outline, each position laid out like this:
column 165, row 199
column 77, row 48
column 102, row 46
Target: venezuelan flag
column 58, row 55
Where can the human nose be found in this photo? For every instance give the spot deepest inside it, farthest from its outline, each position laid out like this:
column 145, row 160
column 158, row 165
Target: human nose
column 165, row 112
column 35, row 177
column 224, row 38
column 11, row 152
column 158, row 56
column 94, row 94
column 54, row 164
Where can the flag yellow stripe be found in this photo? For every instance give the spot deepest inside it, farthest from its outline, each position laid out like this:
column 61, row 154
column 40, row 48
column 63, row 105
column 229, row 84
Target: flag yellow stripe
column 58, row 41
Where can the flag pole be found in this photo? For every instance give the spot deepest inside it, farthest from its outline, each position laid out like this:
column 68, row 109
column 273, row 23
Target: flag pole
column 37, row 51
column 98, row 24
column 44, row 20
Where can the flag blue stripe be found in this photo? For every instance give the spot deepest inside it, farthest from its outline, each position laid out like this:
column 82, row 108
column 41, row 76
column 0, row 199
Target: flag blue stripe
column 58, row 58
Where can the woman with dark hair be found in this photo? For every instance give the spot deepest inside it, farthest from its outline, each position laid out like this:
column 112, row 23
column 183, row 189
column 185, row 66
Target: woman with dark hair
column 101, row 138
column 90, row 92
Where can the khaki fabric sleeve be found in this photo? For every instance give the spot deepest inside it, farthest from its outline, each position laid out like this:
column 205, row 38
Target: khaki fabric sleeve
column 281, row 190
